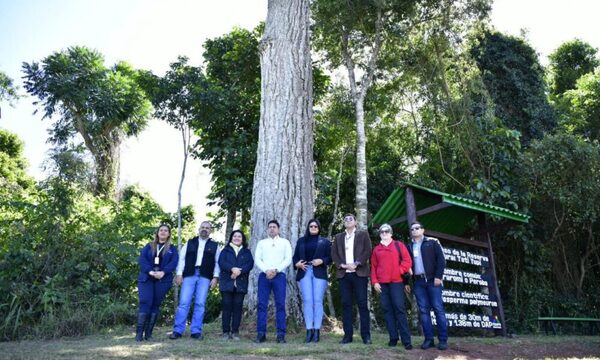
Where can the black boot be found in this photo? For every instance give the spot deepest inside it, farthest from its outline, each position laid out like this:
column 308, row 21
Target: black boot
column 317, row 335
column 141, row 324
column 150, row 326
column 309, row 335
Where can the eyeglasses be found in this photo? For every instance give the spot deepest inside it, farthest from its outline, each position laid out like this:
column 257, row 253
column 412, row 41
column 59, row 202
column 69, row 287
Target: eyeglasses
column 415, row 228
column 348, row 219
column 384, row 231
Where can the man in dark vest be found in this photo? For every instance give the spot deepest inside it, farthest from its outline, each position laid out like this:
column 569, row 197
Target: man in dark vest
column 198, row 269
column 351, row 253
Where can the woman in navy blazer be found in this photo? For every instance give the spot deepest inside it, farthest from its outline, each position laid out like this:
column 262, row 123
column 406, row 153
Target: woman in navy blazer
column 235, row 263
column 157, row 260
column 311, row 257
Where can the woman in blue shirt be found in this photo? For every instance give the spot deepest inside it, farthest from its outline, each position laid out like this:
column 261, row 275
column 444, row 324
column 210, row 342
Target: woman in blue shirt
column 158, row 261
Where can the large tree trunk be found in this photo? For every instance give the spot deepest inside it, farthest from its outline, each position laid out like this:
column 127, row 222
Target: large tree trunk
column 231, row 216
column 361, row 166
column 283, row 178
column 106, row 158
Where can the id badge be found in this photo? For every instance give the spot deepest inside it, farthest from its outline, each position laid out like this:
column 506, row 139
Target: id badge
column 156, row 261
column 416, row 253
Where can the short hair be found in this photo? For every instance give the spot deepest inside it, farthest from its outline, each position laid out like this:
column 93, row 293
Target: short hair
column 273, row 222
column 385, row 227
column 416, row 223
column 349, row 214
column 207, row 222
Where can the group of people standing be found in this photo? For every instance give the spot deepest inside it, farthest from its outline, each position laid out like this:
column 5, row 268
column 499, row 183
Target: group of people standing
column 202, row 265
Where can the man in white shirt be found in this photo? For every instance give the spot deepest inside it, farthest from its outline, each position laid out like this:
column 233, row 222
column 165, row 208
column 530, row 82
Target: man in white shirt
column 197, row 270
column 272, row 257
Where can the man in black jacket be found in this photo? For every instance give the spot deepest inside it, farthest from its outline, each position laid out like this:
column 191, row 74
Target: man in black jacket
column 428, row 269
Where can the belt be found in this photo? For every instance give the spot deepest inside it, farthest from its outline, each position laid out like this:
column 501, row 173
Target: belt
column 421, row 276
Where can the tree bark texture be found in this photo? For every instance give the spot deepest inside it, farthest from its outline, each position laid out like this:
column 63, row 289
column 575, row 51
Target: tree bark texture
column 231, row 216
column 358, row 94
column 107, row 158
column 283, row 178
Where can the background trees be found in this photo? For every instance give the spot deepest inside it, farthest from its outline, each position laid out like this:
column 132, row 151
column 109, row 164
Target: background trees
column 226, row 120
column 103, row 105
column 446, row 101
column 8, row 91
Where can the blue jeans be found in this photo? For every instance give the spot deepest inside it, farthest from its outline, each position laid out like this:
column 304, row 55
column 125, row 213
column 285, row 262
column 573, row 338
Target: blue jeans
column 151, row 294
column 313, row 290
column 392, row 302
column 430, row 297
column 196, row 287
column 278, row 286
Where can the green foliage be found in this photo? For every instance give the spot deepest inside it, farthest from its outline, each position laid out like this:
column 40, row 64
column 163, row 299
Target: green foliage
column 583, row 102
column 226, row 118
column 570, row 61
column 8, row 90
column 515, row 81
column 13, row 165
column 82, row 95
column 68, row 259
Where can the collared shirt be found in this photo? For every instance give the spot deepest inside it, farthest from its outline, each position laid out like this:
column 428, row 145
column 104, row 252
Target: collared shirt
column 273, row 253
column 417, row 257
column 349, row 248
column 199, row 256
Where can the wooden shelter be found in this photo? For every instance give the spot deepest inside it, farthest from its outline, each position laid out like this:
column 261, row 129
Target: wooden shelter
column 450, row 218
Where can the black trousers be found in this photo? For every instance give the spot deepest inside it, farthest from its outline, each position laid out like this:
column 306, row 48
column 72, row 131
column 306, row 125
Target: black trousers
column 354, row 288
column 232, row 303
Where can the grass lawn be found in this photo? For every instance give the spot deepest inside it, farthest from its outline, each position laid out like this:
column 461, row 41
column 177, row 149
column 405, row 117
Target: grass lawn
column 119, row 343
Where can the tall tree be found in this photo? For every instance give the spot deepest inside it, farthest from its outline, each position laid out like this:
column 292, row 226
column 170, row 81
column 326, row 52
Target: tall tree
column 361, row 36
column 569, row 62
column 583, row 107
column 103, row 105
column 283, row 177
column 514, row 79
column 173, row 97
column 226, row 120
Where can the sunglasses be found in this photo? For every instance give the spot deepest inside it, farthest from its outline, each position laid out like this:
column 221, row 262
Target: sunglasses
column 384, row 231
column 415, row 228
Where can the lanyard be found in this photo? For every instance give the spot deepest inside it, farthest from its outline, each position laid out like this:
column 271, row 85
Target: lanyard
column 156, row 259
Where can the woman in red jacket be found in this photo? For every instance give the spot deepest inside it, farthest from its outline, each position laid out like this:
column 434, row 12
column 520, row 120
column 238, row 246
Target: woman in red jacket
column 389, row 261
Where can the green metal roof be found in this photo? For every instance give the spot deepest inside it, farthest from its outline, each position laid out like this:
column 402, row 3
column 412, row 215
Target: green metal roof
column 454, row 220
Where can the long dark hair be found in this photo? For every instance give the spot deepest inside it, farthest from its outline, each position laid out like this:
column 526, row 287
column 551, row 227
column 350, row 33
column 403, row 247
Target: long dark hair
column 155, row 241
column 307, row 232
column 244, row 241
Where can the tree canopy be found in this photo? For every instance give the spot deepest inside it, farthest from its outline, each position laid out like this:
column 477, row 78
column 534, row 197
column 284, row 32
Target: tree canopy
column 81, row 95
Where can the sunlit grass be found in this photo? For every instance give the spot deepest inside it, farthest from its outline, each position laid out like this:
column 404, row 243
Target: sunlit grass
column 119, row 343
